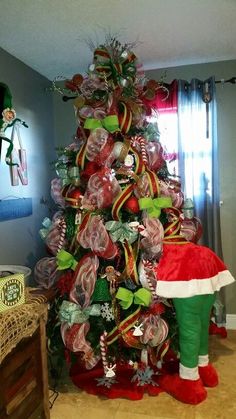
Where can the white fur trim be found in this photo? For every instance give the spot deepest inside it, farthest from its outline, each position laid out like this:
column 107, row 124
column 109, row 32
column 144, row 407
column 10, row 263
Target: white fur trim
column 183, row 289
column 188, row 373
column 203, row 360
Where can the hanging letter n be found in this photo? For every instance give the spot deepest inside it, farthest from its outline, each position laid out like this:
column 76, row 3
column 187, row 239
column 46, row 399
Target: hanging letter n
column 20, row 171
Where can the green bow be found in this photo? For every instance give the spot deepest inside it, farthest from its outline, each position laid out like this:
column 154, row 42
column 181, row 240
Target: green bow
column 121, row 231
column 65, row 260
column 110, row 123
column 141, row 297
column 154, row 205
column 71, row 313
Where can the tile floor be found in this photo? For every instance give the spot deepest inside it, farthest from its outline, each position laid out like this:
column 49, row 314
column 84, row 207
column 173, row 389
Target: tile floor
column 72, row 403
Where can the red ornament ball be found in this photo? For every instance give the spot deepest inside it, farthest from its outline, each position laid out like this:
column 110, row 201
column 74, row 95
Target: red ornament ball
column 91, row 167
column 72, row 195
column 132, row 205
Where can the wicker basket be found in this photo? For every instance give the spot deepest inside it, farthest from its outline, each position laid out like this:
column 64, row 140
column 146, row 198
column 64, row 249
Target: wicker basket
column 6, row 270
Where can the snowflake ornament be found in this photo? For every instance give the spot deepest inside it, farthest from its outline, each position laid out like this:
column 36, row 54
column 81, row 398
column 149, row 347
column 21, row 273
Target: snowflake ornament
column 107, row 312
column 106, row 381
column 144, row 376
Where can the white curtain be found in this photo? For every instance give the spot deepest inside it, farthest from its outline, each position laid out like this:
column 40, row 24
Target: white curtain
column 198, row 162
column 198, row 155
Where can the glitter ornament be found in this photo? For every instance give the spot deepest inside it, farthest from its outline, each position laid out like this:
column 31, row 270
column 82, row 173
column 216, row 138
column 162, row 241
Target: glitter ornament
column 101, row 291
column 132, row 205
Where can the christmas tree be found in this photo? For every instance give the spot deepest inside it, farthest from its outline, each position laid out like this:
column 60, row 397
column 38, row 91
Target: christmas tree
column 117, row 204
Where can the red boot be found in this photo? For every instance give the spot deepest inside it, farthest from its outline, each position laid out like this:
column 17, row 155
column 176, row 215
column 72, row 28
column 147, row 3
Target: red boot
column 208, row 375
column 186, row 391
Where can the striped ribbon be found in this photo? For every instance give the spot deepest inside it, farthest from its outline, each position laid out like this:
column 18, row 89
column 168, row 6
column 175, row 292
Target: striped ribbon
column 125, row 117
column 130, row 259
column 157, row 353
column 120, row 200
column 162, row 349
column 123, row 327
column 153, row 183
column 172, row 229
column 104, row 70
column 101, row 52
column 139, row 166
column 130, row 58
column 177, row 239
column 80, row 157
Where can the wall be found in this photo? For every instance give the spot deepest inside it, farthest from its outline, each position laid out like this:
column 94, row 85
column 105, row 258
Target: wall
column 65, row 122
column 19, row 238
column 65, row 126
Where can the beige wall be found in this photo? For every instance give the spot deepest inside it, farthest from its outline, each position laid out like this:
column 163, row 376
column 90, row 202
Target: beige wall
column 65, row 127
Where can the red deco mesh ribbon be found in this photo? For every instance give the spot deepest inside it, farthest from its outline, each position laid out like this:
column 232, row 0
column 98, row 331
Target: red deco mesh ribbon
column 104, row 152
column 93, row 235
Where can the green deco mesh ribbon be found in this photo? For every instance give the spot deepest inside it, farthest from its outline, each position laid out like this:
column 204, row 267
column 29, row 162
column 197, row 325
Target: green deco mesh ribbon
column 71, row 313
column 43, row 232
column 119, row 231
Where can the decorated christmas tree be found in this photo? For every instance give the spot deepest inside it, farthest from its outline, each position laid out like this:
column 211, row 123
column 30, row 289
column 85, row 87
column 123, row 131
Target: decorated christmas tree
column 117, row 205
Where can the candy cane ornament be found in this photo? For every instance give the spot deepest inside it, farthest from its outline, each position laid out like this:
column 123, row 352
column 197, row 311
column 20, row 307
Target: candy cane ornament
column 152, row 289
column 147, row 267
column 143, row 150
column 105, row 82
column 142, row 142
column 62, row 226
column 103, row 349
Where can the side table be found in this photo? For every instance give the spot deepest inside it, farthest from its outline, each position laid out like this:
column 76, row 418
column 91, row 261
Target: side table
column 23, row 368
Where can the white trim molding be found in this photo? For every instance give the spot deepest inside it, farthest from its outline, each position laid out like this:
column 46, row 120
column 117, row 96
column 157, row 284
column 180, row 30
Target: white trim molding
column 231, row 321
